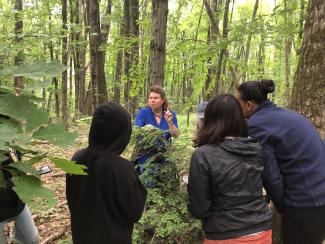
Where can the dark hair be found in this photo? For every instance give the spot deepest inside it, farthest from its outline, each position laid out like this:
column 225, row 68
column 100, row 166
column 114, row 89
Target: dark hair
column 158, row 89
column 256, row 91
column 222, row 117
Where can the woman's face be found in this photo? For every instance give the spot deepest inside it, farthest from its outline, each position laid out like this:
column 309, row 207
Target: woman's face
column 155, row 101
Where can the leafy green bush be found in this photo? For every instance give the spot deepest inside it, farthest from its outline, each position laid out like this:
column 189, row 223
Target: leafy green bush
column 165, row 219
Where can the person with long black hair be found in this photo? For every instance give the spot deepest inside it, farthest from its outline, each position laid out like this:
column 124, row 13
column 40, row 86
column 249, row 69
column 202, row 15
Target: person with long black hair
column 225, row 178
column 294, row 155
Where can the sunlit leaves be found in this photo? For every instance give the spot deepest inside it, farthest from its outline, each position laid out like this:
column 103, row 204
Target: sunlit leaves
column 29, row 187
column 35, row 71
column 56, row 134
column 69, row 166
column 21, row 108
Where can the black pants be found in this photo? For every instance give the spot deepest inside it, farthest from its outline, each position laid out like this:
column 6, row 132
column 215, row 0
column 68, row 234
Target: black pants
column 303, row 225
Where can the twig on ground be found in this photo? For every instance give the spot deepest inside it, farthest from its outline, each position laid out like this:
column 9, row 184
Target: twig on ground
column 57, row 235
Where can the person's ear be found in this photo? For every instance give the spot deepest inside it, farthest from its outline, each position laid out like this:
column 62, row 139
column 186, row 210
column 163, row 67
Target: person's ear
column 251, row 106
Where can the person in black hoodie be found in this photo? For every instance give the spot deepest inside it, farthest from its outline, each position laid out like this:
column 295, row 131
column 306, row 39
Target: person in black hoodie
column 225, row 183
column 105, row 204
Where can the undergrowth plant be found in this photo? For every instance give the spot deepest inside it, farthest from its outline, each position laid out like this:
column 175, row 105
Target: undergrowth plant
column 165, row 218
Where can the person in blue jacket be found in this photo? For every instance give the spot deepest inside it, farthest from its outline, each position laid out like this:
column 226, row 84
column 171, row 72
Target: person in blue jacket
column 294, row 155
column 156, row 114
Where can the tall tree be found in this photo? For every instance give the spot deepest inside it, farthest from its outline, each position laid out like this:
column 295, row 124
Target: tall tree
column 79, row 57
column 158, row 41
column 287, row 48
column 64, row 88
column 308, row 94
column 126, row 35
column 97, row 64
column 249, row 39
column 223, row 50
column 212, row 9
column 19, row 25
column 134, row 54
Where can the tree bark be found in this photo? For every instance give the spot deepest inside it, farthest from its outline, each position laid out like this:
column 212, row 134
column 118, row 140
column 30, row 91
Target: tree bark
column 222, row 52
column 158, row 42
column 308, row 95
column 126, row 48
column 80, row 61
column 97, row 64
column 19, row 25
column 212, row 9
column 249, row 39
column 118, row 75
column 287, row 52
column 134, row 55
column 64, row 87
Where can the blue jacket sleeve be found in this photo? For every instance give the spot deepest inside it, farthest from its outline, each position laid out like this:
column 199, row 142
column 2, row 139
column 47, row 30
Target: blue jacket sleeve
column 272, row 176
column 140, row 119
column 198, row 187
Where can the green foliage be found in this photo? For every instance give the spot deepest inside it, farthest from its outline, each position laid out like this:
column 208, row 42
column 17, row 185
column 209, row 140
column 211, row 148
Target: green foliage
column 22, row 122
column 29, row 188
column 56, row 134
column 69, row 166
column 165, row 219
column 36, row 70
column 23, row 109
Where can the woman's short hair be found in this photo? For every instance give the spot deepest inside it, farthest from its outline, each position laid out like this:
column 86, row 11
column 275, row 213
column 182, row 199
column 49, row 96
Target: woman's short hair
column 256, row 91
column 158, row 89
column 222, row 117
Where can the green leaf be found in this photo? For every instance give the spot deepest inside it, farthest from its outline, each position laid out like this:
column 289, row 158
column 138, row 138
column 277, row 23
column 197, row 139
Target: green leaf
column 35, row 71
column 22, row 108
column 24, row 167
column 22, row 149
column 35, row 159
column 29, row 187
column 68, row 166
column 57, row 134
column 10, row 123
column 3, row 156
column 7, row 89
column 38, row 84
column 8, row 134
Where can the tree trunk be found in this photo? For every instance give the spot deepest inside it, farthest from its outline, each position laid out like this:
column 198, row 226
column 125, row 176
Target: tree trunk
column 79, row 60
column 249, row 39
column 64, row 88
column 158, row 42
column 118, row 75
column 261, row 57
column 134, row 55
column 104, row 30
column 97, row 64
column 212, row 9
column 126, row 48
column 19, row 25
column 287, row 53
column 308, row 95
column 222, row 52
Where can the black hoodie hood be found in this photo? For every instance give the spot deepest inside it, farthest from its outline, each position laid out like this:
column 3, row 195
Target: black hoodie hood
column 110, row 129
column 241, row 146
